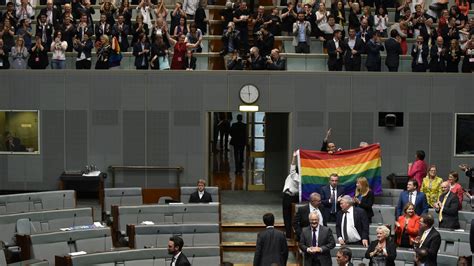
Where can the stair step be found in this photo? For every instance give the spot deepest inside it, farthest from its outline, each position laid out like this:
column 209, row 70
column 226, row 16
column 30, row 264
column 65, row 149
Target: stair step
column 250, row 246
column 248, row 227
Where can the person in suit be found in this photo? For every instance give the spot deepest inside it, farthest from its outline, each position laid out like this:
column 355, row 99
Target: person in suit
column 438, row 56
column 407, row 226
column 102, row 27
column 175, row 248
column 331, row 195
column 256, row 60
column 301, row 34
column 421, row 254
column 352, row 225
column 121, row 31
column 354, row 49
column 271, row 248
column 84, row 52
column 275, row 61
column 429, row 238
column 316, row 242
column 45, row 30
column 190, row 61
column 373, row 48
column 52, row 13
column 344, row 257
column 394, row 50
column 301, row 218
column 238, row 134
column 412, row 195
column 4, row 62
column 200, row 195
column 447, row 208
column 419, row 54
column 141, row 51
column 382, row 250
column 364, row 197
column 336, row 49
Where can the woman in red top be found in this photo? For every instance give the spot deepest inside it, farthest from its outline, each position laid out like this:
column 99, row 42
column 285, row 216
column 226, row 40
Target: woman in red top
column 179, row 50
column 456, row 188
column 407, row 226
column 417, row 169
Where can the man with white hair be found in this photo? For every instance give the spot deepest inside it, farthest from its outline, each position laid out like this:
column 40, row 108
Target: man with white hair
column 316, row 242
column 352, row 224
column 301, row 217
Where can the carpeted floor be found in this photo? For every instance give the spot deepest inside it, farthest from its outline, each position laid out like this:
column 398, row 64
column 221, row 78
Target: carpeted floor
column 237, row 206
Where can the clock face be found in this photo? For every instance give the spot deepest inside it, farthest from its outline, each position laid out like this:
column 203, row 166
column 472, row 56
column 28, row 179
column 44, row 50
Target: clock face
column 249, row 94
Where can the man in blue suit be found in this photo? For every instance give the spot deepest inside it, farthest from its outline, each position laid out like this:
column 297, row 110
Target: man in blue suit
column 330, row 196
column 412, row 195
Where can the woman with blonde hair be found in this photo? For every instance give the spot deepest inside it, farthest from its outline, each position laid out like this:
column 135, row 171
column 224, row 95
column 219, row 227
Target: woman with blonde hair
column 382, row 251
column 19, row 54
column 364, row 197
column 431, row 186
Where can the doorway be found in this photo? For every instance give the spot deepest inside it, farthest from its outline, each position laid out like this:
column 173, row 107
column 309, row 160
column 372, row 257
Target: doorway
column 265, row 158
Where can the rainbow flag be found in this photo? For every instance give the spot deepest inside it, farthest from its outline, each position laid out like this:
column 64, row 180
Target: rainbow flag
column 316, row 166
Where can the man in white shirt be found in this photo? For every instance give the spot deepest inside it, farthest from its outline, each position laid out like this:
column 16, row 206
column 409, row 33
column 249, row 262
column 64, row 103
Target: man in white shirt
column 189, row 7
column 352, row 224
column 290, row 193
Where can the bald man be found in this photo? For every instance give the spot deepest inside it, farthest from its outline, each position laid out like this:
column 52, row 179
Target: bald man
column 438, row 56
column 447, row 208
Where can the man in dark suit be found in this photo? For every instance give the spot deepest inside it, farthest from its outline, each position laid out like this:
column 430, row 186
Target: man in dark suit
column 419, row 54
column 438, row 56
column 354, row 48
column 414, row 196
column 301, row 218
column 352, row 225
column 190, row 61
column 52, row 13
column 272, row 248
column 344, row 256
column 141, row 51
column 275, row 61
column 45, row 30
column 316, row 242
column 447, row 208
column 373, row 48
column 330, row 196
column 336, row 49
column 429, row 239
column 175, row 247
column 238, row 134
column 102, row 27
column 394, row 50
column 121, row 31
column 200, row 195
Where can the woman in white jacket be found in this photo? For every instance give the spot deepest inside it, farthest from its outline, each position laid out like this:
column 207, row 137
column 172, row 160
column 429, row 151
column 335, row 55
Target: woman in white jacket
column 58, row 48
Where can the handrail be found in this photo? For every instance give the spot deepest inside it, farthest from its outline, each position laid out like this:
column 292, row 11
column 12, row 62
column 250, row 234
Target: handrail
column 178, row 170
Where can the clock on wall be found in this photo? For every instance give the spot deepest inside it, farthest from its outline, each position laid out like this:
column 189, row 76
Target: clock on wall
column 249, row 94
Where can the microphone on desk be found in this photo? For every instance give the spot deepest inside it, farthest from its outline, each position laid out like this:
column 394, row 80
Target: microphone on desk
column 138, row 215
column 153, row 260
column 74, row 221
column 64, row 199
column 156, row 238
column 192, row 239
column 121, row 196
column 70, row 243
column 105, row 242
column 381, row 216
column 192, row 260
column 29, row 201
